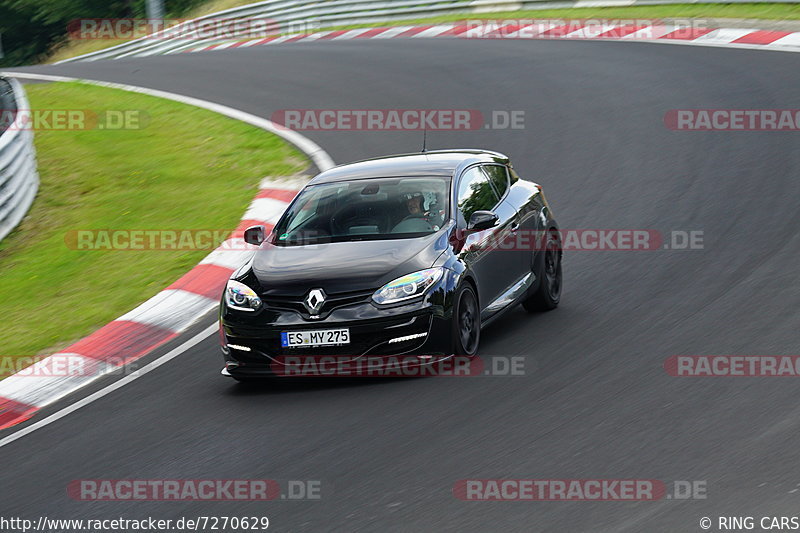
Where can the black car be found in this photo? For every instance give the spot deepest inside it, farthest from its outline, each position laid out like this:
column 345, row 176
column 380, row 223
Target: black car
column 408, row 254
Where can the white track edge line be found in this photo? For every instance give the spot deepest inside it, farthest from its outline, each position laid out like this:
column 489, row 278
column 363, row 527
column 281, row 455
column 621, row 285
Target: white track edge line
column 320, row 158
column 172, row 354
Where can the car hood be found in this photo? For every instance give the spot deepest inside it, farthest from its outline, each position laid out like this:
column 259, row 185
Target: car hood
column 342, row 266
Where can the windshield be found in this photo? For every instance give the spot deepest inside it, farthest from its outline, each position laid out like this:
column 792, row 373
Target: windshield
column 370, row 209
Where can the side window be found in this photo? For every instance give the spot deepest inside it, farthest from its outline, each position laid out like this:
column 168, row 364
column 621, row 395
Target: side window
column 304, row 211
column 499, row 178
column 475, row 193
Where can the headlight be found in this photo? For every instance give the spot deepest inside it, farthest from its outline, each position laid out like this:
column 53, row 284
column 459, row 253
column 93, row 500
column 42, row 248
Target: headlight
column 407, row 287
column 241, row 297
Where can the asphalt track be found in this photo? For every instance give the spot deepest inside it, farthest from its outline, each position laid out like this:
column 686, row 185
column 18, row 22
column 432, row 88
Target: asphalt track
column 595, row 401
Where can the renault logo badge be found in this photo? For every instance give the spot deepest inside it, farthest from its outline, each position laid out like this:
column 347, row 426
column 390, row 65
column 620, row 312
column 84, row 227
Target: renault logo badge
column 314, row 301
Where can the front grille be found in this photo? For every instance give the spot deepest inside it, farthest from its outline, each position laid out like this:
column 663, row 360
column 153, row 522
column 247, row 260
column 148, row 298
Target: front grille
column 332, row 302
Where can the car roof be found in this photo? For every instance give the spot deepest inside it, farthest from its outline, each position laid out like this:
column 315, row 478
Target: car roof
column 434, row 163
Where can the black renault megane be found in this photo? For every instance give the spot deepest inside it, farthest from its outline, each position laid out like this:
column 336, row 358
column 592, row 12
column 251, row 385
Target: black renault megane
column 403, row 255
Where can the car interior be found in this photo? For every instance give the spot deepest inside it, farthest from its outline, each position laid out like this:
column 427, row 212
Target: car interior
column 377, row 208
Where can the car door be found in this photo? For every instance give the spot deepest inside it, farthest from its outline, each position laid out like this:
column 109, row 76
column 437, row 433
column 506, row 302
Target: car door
column 516, row 254
column 494, row 268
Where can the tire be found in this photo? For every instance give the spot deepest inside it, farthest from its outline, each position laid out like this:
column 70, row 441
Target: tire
column 466, row 321
column 548, row 293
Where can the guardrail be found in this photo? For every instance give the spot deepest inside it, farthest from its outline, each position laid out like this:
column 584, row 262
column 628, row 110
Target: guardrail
column 327, row 13
column 19, row 180
column 292, row 13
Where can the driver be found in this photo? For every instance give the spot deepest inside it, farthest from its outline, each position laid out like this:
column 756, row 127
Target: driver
column 414, row 203
column 417, row 206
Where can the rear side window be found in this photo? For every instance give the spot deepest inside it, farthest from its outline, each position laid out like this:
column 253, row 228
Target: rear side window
column 475, row 193
column 499, row 178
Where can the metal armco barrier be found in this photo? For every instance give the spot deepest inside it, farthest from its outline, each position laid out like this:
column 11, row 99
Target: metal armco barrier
column 305, row 16
column 19, row 180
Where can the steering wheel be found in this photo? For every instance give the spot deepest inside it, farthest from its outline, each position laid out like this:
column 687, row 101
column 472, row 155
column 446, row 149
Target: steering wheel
column 414, row 216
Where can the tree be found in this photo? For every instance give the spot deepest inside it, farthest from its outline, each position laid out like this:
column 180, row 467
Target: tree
column 29, row 30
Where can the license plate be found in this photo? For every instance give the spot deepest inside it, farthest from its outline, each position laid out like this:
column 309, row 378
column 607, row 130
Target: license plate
column 322, row 337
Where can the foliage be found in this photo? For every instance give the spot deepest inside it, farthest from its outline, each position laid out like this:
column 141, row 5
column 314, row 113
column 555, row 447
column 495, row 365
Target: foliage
column 29, row 30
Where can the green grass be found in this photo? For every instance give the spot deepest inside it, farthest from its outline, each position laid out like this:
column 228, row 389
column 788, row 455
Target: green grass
column 742, row 11
column 79, row 47
column 710, row 11
column 189, row 168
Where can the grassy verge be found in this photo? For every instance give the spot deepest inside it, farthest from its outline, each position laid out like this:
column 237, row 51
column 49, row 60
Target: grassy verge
column 187, row 169
column 75, row 48
column 677, row 11
column 710, row 11
column 80, row 47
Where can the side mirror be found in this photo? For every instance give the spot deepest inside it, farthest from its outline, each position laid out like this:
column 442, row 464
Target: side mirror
column 254, row 235
column 481, row 220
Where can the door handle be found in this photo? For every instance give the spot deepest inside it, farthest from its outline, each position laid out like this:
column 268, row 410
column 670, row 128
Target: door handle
column 514, row 227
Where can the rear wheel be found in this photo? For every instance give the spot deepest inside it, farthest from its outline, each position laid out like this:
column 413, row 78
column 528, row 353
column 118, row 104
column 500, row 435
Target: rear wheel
column 548, row 294
column 466, row 322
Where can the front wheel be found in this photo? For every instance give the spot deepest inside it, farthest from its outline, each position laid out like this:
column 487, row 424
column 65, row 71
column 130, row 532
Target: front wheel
column 466, row 322
column 548, row 294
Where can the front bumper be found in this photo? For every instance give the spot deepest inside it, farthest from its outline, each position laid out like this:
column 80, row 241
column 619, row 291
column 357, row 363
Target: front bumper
column 420, row 332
